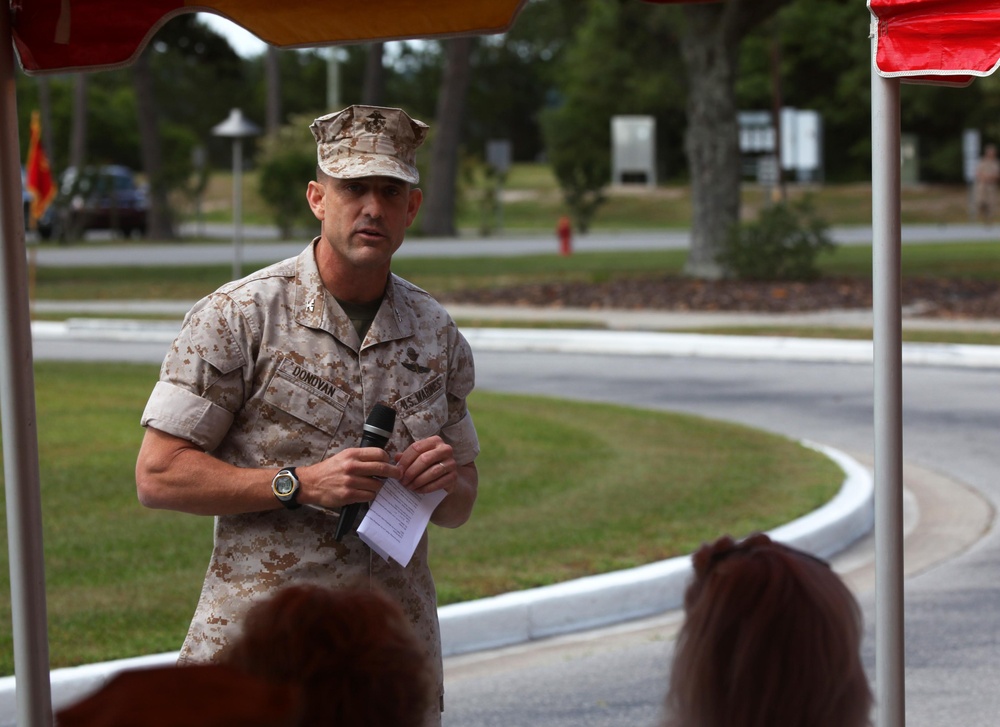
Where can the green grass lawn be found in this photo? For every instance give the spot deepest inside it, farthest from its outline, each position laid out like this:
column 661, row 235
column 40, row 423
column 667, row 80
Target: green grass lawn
column 533, row 202
column 559, row 498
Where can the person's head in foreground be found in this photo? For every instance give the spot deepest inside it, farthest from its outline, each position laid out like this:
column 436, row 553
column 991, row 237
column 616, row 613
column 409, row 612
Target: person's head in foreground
column 771, row 638
column 352, row 650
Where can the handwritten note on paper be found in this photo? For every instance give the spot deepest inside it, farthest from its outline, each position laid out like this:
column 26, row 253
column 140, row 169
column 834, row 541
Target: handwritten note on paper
column 396, row 521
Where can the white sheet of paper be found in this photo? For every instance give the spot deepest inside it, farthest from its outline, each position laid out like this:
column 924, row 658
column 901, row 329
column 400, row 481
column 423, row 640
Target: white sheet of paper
column 396, row 520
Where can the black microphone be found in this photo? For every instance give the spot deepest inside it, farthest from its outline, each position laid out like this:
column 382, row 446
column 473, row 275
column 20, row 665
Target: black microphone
column 376, row 433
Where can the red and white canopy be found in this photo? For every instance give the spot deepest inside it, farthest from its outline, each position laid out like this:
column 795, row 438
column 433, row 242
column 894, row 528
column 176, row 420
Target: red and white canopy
column 73, row 35
column 936, row 41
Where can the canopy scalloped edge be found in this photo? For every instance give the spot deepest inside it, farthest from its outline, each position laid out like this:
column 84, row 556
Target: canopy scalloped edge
column 942, row 42
column 58, row 36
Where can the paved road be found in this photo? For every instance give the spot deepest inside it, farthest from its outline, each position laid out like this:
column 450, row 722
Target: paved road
column 952, row 611
column 260, row 246
column 616, row 677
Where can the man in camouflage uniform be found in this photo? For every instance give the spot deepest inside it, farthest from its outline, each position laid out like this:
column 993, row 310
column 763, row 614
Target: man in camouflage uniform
column 280, row 369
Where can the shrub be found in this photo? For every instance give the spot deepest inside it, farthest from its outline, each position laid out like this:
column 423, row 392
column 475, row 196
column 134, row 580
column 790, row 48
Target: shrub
column 286, row 163
column 578, row 148
column 782, row 244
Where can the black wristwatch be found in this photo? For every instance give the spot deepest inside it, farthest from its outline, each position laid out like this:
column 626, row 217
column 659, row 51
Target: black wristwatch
column 285, row 487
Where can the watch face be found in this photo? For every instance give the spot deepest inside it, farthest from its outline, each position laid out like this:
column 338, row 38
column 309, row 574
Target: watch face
column 284, row 485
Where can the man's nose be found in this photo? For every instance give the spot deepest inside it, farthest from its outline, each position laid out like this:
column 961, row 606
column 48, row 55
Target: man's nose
column 372, row 206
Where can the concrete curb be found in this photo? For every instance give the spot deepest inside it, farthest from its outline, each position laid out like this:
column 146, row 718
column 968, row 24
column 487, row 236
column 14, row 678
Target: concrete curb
column 562, row 608
column 696, row 345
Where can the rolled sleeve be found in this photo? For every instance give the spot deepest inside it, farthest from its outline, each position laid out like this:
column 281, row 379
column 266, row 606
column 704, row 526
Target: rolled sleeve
column 463, row 439
column 184, row 414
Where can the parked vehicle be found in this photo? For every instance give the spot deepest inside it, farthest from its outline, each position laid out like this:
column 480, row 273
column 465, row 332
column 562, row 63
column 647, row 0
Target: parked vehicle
column 96, row 198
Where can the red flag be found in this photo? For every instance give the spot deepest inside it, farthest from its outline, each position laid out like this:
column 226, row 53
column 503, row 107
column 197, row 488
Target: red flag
column 37, row 172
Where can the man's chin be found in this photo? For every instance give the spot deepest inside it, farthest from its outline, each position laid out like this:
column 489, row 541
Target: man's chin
column 371, row 256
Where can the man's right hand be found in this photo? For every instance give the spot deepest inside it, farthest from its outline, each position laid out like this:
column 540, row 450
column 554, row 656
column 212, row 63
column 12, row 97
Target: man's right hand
column 352, row 475
column 172, row 473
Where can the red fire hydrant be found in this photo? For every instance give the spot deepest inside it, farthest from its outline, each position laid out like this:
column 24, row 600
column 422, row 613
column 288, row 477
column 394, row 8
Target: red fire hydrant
column 565, row 231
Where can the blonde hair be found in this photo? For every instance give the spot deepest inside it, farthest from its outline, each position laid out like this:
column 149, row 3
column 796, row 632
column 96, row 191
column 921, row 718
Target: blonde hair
column 771, row 636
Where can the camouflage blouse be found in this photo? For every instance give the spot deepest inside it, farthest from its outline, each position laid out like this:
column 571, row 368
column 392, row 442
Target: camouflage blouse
column 269, row 372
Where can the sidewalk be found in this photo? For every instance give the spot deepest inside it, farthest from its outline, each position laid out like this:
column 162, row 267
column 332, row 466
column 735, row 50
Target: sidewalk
column 614, row 319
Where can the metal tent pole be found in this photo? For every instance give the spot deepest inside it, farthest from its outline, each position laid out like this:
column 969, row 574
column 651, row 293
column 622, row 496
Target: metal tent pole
column 886, row 246
column 19, row 421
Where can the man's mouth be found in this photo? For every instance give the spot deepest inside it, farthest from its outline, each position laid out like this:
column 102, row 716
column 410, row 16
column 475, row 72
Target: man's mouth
column 370, row 232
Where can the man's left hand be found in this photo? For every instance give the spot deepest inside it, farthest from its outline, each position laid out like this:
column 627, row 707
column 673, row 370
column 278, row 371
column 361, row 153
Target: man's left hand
column 428, row 465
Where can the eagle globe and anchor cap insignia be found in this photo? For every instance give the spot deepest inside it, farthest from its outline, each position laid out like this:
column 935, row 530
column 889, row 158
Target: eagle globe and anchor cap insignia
column 369, row 141
column 375, row 123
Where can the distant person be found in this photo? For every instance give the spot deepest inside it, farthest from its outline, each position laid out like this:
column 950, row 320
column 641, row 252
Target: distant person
column 352, row 651
column 263, row 396
column 985, row 185
column 771, row 638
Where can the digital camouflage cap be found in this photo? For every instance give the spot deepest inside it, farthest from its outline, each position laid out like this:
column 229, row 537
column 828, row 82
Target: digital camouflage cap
column 369, row 141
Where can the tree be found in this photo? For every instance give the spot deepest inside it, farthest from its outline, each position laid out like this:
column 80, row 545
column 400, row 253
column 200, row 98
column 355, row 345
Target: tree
column 710, row 46
column 373, row 87
column 160, row 222
column 621, row 60
column 183, row 60
column 272, row 115
column 302, row 83
column 78, row 138
column 166, row 147
column 439, row 205
column 515, row 78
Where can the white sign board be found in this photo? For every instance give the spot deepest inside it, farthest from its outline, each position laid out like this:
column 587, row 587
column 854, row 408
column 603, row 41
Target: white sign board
column 498, row 154
column 633, row 150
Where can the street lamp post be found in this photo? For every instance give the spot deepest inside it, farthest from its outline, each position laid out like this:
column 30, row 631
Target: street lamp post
column 237, row 127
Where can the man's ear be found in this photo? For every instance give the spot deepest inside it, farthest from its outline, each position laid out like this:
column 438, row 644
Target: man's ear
column 315, row 195
column 413, row 205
